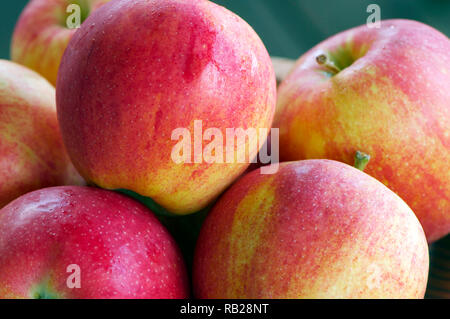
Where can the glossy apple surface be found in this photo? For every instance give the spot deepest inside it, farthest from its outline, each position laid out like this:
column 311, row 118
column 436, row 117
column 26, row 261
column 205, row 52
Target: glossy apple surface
column 41, row 34
column 391, row 100
column 138, row 70
column 32, row 154
column 315, row 229
column 121, row 249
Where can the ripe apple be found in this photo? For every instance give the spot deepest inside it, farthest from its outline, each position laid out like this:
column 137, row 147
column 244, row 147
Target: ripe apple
column 385, row 92
column 41, row 34
column 31, row 149
column 138, row 70
column 118, row 247
column 315, row 229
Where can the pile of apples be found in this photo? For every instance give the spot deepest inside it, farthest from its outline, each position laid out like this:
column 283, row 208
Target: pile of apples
column 136, row 70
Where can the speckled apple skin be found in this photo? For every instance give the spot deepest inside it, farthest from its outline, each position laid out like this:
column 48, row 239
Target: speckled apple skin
column 121, row 248
column 137, row 70
column 392, row 103
column 316, row 229
column 31, row 149
column 41, row 35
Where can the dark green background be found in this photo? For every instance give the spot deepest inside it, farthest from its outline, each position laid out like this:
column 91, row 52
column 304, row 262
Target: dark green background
column 290, row 27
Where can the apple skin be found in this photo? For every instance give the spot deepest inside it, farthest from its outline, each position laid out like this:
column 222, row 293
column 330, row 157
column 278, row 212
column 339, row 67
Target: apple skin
column 31, row 149
column 392, row 103
column 121, row 248
column 41, row 34
column 315, row 229
column 137, row 70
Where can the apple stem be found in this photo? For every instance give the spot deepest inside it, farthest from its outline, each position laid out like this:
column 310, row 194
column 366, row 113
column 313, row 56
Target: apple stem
column 324, row 61
column 361, row 160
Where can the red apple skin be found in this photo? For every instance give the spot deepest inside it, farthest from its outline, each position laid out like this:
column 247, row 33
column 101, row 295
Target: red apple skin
column 393, row 103
column 31, row 149
column 41, row 34
column 121, row 248
column 137, row 70
column 315, row 229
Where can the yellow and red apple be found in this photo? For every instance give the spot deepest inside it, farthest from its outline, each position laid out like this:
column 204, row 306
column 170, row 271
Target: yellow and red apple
column 315, row 229
column 385, row 92
column 82, row 242
column 41, row 34
column 138, row 70
column 32, row 154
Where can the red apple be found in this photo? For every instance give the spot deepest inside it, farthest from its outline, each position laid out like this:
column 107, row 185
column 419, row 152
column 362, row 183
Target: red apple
column 315, row 229
column 41, row 34
column 118, row 247
column 136, row 71
column 31, row 149
column 385, row 92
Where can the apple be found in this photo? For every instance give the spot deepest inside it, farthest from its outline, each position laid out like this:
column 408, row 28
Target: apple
column 315, row 229
column 31, row 149
column 41, row 34
column 137, row 71
column 115, row 245
column 384, row 92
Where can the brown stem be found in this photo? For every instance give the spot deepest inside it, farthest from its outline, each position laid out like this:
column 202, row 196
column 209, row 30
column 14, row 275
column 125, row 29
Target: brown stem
column 324, row 61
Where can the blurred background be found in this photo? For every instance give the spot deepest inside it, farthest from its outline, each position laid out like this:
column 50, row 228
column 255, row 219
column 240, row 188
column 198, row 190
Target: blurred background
column 290, row 27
